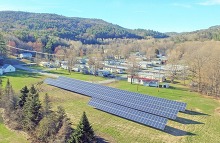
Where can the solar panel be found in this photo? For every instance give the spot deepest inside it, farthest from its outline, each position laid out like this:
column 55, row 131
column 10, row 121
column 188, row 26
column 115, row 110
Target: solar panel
column 93, row 90
column 129, row 95
column 121, row 100
column 130, row 114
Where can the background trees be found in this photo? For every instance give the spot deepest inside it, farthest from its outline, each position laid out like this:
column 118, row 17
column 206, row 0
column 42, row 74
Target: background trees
column 3, row 50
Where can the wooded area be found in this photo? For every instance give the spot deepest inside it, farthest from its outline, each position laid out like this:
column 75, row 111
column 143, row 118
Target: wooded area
column 27, row 113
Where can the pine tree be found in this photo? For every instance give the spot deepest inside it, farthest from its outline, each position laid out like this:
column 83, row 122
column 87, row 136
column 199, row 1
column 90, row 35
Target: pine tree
column 9, row 100
column 46, row 105
column 8, row 87
column 31, row 109
column 84, row 132
column 24, row 94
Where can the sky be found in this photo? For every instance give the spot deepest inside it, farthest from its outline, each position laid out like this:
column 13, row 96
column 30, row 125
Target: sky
column 159, row 15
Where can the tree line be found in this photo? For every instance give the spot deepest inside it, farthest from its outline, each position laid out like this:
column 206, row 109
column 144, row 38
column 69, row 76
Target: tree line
column 27, row 113
column 201, row 65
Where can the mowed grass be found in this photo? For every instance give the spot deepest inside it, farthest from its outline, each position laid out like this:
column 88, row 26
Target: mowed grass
column 200, row 125
column 77, row 75
column 21, row 78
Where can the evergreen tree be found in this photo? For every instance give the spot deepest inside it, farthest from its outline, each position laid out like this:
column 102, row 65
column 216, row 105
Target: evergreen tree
column 84, row 132
column 46, row 106
column 8, row 87
column 24, row 94
column 9, row 100
column 31, row 109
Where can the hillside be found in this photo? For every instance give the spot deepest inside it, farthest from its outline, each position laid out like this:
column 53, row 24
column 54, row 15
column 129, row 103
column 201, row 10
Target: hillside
column 30, row 26
column 212, row 33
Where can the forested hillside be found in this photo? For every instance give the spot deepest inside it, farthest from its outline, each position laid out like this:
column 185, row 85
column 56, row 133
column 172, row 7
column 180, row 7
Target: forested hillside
column 31, row 26
column 212, row 33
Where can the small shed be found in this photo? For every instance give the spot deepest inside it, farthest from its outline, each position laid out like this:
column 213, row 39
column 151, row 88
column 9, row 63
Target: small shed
column 25, row 55
column 8, row 68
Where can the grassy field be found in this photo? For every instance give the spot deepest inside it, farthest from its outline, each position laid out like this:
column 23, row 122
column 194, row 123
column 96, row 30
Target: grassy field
column 21, row 78
column 77, row 75
column 198, row 125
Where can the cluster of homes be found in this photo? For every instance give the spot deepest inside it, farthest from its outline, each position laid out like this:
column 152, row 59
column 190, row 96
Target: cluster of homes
column 6, row 68
column 151, row 73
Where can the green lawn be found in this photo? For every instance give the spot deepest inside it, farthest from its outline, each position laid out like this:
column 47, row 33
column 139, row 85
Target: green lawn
column 7, row 136
column 200, row 125
column 77, row 75
column 21, row 78
column 37, row 67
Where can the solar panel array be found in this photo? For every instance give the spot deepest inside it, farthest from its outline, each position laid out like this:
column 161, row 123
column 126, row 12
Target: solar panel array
column 129, row 113
column 146, row 98
column 107, row 99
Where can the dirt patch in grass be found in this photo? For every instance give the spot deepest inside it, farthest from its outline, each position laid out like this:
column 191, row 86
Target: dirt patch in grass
column 217, row 110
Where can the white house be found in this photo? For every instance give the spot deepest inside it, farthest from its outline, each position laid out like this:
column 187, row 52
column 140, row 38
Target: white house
column 8, row 68
column 25, row 55
column 115, row 68
column 143, row 81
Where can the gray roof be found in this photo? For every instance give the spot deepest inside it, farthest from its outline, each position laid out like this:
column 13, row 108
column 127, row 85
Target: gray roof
column 5, row 66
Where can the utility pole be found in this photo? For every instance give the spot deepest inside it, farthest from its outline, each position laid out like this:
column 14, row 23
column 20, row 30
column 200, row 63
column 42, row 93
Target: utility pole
column 158, row 81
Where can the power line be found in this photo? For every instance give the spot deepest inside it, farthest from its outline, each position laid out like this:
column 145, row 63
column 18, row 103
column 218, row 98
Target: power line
column 34, row 51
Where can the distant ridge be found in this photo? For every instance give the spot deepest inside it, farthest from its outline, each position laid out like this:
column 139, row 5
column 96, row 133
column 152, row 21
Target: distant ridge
column 84, row 29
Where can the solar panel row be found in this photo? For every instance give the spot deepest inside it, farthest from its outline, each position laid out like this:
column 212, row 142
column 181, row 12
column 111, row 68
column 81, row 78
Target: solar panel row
column 137, row 107
column 155, row 100
column 118, row 99
column 131, row 114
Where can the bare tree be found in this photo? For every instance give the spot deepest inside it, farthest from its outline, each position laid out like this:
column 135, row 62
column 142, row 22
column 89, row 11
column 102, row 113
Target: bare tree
column 133, row 67
column 71, row 57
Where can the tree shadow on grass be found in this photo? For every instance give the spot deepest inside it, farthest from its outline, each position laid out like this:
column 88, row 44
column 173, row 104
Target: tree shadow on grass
column 21, row 74
column 60, row 73
column 186, row 121
column 101, row 140
column 190, row 112
column 177, row 132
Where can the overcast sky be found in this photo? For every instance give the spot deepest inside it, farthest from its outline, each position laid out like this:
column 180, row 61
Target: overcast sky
column 159, row 15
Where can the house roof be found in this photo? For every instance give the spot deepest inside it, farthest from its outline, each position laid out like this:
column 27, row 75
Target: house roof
column 143, row 78
column 5, row 66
